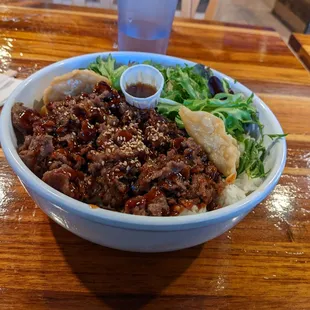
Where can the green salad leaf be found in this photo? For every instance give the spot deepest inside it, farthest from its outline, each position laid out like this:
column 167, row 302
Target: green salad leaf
column 108, row 68
column 277, row 136
column 254, row 154
column 252, row 158
column 169, row 108
column 203, row 71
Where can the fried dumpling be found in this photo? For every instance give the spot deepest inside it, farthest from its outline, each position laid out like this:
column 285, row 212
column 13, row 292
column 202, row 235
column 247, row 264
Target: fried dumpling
column 209, row 132
column 72, row 84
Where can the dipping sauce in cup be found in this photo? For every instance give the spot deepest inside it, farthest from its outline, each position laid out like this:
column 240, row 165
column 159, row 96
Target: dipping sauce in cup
column 141, row 90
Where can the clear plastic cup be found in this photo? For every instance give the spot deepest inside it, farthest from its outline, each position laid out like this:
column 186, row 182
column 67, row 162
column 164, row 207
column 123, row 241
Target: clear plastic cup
column 145, row 25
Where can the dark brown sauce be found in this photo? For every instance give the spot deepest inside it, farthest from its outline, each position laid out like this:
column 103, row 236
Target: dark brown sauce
column 27, row 118
column 141, row 90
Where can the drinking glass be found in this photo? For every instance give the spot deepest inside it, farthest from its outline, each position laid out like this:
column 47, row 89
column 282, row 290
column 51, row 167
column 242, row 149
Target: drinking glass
column 145, row 25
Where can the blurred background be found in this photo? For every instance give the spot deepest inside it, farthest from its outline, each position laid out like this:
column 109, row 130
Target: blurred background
column 285, row 16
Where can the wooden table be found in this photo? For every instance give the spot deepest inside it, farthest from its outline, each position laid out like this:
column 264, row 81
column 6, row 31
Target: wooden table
column 301, row 45
column 263, row 263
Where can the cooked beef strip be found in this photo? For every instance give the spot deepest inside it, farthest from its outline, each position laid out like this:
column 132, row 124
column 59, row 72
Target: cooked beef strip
column 98, row 149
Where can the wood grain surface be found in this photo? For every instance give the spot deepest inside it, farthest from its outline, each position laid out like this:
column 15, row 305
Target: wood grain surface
column 301, row 45
column 263, row 263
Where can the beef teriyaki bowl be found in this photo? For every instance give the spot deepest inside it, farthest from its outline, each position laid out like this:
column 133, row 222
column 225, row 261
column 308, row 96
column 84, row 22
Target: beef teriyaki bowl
column 137, row 232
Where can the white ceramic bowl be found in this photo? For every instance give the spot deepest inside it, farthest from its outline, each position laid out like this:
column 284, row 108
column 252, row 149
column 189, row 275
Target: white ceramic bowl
column 125, row 231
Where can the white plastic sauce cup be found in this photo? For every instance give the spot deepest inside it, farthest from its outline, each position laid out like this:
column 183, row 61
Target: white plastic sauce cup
column 145, row 74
